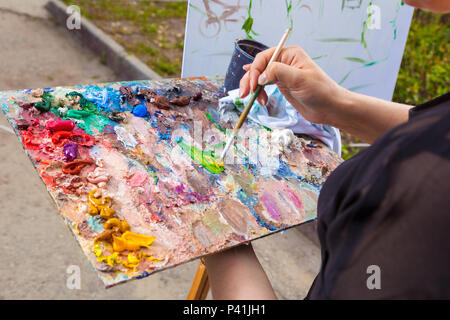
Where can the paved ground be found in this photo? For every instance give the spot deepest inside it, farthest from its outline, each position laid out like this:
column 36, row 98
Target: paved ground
column 36, row 246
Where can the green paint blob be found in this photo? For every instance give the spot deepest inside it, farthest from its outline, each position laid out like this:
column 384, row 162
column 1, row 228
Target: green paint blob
column 215, row 123
column 89, row 118
column 84, row 103
column 46, row 103
column 77, row 114
column 94, row 123
column 238, row 103
column 207, row 159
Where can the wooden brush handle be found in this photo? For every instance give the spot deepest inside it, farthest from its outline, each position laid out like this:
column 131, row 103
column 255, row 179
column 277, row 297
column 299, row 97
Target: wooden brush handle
column 249, row 105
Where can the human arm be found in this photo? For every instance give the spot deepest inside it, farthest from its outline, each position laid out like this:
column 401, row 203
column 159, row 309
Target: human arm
column 318, row 98
column 236, row 274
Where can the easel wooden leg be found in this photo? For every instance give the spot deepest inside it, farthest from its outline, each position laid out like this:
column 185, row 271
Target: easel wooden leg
column 200, row 285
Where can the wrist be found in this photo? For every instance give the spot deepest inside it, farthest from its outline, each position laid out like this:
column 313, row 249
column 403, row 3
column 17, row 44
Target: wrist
column 366, row 117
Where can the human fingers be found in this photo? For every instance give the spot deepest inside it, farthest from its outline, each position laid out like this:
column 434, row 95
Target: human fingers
column 278, row 72
column 258, row 66
column 244, row 85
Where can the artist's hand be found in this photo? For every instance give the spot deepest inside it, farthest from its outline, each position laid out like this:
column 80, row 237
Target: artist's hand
column 318, row 98
column 307, row 87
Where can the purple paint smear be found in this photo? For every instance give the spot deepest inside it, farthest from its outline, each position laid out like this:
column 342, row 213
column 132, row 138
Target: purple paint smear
column 271, row 206
column 293, row 197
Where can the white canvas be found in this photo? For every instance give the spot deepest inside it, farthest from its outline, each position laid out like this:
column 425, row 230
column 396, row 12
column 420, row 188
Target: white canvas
column 330, row 31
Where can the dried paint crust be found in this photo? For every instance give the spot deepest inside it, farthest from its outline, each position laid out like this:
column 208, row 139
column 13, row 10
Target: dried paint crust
column 141, row 193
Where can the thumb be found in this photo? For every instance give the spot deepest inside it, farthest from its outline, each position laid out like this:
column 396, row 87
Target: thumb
column 278, row 72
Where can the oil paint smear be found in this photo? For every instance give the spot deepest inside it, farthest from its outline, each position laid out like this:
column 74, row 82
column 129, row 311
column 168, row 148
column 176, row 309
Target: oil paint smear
column 205, row 158
column 140, row 190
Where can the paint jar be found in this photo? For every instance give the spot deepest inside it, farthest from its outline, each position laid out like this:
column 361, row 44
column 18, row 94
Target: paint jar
column 245, row 51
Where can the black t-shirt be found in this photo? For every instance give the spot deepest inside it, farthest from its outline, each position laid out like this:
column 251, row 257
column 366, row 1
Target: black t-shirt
column 384, row 215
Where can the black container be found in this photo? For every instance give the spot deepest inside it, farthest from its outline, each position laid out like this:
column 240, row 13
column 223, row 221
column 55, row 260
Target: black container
column 244, row 53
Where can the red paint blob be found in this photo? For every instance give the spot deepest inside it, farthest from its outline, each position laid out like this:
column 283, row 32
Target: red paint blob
column 60, row 125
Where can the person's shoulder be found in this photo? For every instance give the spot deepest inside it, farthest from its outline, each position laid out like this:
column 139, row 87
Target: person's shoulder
column 442, row 101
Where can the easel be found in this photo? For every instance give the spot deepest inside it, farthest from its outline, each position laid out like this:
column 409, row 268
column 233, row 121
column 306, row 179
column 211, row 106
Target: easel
column 200, row 285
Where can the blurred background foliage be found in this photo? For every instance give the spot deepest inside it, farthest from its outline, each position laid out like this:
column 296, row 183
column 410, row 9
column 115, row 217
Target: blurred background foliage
column 425, row 69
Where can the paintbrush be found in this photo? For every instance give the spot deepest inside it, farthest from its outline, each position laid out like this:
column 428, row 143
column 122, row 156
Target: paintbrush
column 249, row 105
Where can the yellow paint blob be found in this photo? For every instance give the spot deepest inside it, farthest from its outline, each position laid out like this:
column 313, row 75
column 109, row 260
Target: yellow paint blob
column 114, row 222
column 100, row 205
column 134, row 258
column 111, row 259
column 151, row 258
column 220, row 164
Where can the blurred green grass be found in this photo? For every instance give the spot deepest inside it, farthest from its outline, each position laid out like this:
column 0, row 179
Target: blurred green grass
column 161, row 48
column 139, row 11
column 425, row 69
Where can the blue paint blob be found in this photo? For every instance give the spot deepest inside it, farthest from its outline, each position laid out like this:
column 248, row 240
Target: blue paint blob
column 164, row 135
column 140, row 111
column 95, row 223
column 284, row 170
column 106, row 99
column 250, row 166
column 143, row 275
column 184, row 127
